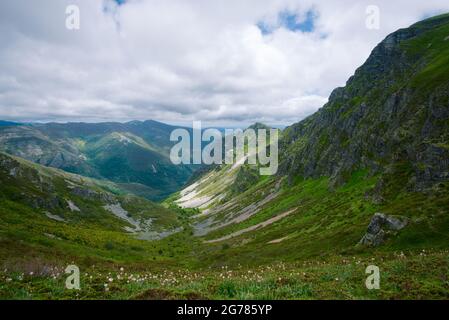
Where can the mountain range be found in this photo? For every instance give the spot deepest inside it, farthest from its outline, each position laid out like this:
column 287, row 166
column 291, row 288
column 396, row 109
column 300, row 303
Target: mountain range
column 134, row 154
column 364, row 180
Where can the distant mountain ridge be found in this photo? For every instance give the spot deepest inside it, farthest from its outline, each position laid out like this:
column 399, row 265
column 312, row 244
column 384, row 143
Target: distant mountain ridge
column 134, row 154
column 8, row 123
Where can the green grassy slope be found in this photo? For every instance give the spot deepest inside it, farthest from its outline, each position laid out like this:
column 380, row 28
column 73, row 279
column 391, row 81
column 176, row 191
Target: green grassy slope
column 51, row 214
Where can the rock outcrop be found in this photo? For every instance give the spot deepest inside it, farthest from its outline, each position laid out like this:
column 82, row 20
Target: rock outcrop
column 380, row 227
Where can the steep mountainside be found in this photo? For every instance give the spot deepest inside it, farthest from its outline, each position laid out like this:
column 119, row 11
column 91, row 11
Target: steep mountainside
column 392, row 117
column 133, row 154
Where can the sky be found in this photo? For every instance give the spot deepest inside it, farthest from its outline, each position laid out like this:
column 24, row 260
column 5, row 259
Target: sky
column 222, row 62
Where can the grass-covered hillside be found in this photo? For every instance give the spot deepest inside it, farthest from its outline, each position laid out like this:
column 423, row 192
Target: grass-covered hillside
column 49, row 214
column 310, row 253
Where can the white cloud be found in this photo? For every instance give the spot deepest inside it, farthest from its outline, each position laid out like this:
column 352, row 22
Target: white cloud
column 179, row 60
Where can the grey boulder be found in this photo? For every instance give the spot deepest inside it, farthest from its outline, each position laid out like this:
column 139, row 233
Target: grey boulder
column 380, row 227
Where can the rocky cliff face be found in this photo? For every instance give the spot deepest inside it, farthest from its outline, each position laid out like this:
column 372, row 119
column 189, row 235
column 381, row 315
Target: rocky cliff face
column 392, row 116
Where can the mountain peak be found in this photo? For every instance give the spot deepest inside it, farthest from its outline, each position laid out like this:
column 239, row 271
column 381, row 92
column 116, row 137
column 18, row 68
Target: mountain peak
column 258, row 125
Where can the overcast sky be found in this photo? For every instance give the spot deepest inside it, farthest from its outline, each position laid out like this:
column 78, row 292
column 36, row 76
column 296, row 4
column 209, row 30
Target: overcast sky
column 223, row 62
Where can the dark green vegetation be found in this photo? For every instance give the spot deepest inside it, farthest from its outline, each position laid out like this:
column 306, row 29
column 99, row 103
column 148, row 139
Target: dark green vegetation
column 134, row 154
column 381, row 144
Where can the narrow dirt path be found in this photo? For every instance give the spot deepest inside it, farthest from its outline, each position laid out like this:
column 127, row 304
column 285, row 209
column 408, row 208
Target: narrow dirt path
column 277, row 240
column 252, row 228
